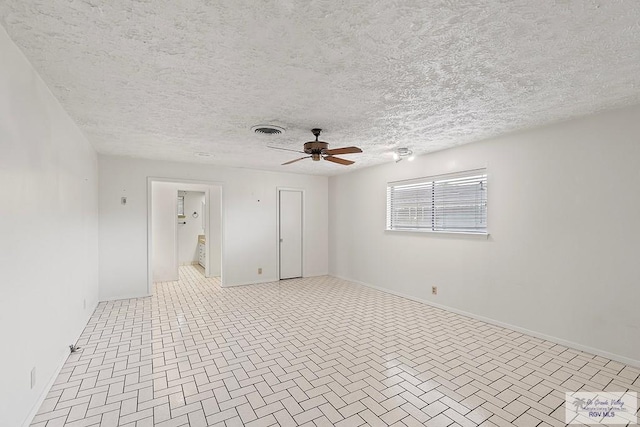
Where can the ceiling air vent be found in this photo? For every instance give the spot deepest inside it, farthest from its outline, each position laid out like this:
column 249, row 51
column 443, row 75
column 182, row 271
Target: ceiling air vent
column 268, row 130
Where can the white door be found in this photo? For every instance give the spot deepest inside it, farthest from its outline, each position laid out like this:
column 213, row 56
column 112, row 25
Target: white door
column 290, row 234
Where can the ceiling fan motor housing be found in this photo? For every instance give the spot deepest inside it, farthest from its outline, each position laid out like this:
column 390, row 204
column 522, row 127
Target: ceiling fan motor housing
column 315, row 148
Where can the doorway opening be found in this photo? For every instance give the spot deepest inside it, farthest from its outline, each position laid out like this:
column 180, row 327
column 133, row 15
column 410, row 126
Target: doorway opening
column 192, row 230
column 184, row 229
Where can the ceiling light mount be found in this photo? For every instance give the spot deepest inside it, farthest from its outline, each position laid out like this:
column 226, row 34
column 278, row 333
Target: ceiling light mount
column 402, row 153
column 268, row 129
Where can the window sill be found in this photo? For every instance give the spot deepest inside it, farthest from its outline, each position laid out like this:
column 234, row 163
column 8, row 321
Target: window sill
column 481, row 235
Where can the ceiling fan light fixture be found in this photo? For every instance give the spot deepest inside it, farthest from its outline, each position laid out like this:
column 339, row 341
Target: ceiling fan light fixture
column 268, row 129
column 401, row 153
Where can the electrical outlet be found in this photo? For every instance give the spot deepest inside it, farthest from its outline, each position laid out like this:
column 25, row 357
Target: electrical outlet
column 434, row 290
column 260, row 270
column 33, row 377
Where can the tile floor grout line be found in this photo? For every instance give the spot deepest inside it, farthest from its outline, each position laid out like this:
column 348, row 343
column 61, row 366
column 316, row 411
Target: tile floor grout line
column 314, row 351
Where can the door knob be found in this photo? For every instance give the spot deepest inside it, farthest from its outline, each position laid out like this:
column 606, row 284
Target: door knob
column 280, row 240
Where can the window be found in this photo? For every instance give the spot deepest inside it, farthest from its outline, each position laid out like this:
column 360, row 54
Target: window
column 453, row 203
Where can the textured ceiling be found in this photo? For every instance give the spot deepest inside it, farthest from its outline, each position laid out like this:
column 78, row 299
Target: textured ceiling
column 165, row 79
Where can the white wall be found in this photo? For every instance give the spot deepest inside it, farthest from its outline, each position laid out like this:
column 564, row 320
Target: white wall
column 164, row 217
column 48, row 234
column 215, row 232
column 564, row 218
column 249, row 218
column 188, row 233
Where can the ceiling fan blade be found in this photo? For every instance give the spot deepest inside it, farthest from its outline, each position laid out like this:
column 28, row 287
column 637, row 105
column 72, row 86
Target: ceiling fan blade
column 343, row 150
column 285, row 149
column 339, row 160
column 296, row 160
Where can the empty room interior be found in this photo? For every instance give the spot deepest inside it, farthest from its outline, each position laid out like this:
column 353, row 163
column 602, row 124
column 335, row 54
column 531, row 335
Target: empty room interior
column 319, row 213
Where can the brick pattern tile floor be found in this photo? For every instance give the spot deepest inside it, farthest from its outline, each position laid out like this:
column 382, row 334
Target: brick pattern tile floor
column 315, row 352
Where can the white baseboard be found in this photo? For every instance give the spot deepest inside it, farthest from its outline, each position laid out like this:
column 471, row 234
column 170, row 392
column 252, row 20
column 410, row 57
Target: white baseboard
column 254, row 282
column 599, row 352
column 271, row 280
column 117, row 298
column 45, row 391
column 54, row 376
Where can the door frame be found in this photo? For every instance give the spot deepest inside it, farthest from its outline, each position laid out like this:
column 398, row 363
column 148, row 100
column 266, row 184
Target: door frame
column 207, row 195
column 302, row 207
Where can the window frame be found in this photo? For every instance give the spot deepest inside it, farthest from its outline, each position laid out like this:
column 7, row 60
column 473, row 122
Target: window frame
column 431, row 182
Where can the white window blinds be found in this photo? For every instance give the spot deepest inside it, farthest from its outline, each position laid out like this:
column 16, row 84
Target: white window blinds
column 455, row 203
